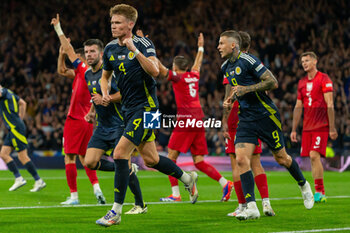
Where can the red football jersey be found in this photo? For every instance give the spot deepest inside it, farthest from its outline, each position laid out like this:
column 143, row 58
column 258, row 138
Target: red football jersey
column 232, row 120
column 186, row 89
column 80, row 100
column 310, row 92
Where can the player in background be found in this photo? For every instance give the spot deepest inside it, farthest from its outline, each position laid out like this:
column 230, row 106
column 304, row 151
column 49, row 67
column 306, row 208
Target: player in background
column 77, row 132
column 258, row 118
column 185, row 86
column 315, row 96
column 109, row 121
column 133, row 60
column 13, row 110
column 259, row 172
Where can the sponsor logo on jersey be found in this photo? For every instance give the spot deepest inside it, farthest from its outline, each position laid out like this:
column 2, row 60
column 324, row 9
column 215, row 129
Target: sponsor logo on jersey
column 232, row 72
column 121, row 57
column 94, row 82
column 238, row 70
column 329, row 85
column 259, row 67
column 111, row 58
column 151, row 50
column 151, row 120
column 131, row 55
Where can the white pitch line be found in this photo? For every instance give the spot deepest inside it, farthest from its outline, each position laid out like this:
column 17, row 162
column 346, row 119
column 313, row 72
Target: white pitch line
column 150, row 203
column 316, row 230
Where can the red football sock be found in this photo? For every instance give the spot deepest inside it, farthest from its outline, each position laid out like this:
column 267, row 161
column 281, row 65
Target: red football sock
column 71, row 174
column 173, row 180
column 261, row 183
column 209, row 170
column 92, row 175
column 239, row 192
column 319, row 186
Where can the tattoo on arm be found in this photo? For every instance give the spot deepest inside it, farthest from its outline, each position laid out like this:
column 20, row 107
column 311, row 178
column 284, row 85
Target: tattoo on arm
column 268, row 82
column 227, row 90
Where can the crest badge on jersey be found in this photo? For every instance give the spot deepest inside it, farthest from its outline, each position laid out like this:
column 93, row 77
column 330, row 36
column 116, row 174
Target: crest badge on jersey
column 121, row 57
column 308, row 87
column 238, row 70
column 131, row 55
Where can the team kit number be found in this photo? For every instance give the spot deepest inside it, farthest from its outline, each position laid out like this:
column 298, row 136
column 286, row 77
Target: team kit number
column 122, row 68
column 277, row 139
column 193, row 91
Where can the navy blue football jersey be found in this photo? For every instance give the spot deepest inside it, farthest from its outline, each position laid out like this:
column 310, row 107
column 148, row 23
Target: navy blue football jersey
column 138, row 89
column 245, row 71
column 110, row 116
column 9, row 110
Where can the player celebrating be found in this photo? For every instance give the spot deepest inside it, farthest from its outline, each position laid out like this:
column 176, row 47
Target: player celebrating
column 258, row 170
column 133, row 60
column 110, row 124
column 76, row 132
column 12, row 110
column 185, row 86
column 315, row 95
column 258, row 118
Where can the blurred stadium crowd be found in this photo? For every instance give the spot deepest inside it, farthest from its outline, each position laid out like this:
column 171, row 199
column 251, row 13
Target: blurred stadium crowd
column 280, row 32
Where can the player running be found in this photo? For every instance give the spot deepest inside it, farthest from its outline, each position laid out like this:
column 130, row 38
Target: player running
column 258, row 118
column 77, row 132
column 315, row 96
column 259, row 172
column 13, row 110
column 133, row 60
column 110, row 125
column 185, row 86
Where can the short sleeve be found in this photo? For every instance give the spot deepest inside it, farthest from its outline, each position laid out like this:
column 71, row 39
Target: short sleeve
column 299, row 92
column 254, row 65
column 327, row 84
column 106, row 63
column 146, row 47
column 80, row 66
column 173, row 76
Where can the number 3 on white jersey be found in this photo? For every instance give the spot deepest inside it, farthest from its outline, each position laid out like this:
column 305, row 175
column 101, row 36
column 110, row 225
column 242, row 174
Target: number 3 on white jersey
column 193, row 91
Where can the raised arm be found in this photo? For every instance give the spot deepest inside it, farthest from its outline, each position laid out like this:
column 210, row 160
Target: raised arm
column 199, row 57
column 67, row 47
column 268, row 83
column 22, row 106
column 61, row 66
column 149, row 64
column 298, row 110
column 328, row 97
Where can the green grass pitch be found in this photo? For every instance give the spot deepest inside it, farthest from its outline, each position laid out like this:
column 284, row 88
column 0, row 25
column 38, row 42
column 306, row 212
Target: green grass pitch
column 41, row 211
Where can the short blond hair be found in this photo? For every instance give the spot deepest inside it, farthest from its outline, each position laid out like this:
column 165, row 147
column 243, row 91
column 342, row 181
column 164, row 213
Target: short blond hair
column 309, row 53
column 125, row 10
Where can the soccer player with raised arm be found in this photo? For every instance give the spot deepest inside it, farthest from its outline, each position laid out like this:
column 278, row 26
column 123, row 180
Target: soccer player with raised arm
column 258, row 118
column 259, row 172
column 110, row 125
column 133, row 60
column 315, row 96
column 77, row 132
column 185, row 86
column 12, row 110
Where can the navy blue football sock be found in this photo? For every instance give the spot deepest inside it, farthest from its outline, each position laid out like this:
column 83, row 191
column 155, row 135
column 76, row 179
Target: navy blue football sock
column 247, row 180
column 13, row 168
column 32, row 170
column 168, row 167
column 135, row 188
column 105, row 165
column 121, row 179
column 295, row 171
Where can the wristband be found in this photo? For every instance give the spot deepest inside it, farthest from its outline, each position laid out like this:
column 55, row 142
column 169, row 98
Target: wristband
column 58, row 29
column 136, row 52
column 201, row 49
